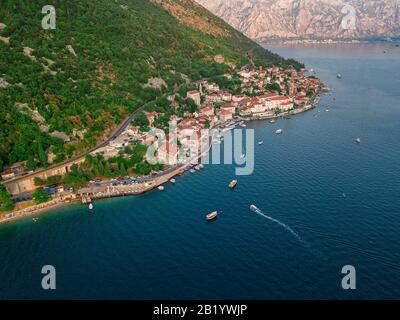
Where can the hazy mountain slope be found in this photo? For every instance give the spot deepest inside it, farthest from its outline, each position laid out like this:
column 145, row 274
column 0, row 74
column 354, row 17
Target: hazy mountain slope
column 77, row 81
column 310, row 19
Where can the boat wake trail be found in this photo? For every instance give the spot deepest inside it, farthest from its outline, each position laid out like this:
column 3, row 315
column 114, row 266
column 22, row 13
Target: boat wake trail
column 259, row 212
column 315, row 252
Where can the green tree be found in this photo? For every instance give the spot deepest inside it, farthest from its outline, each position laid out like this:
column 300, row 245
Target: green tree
column 6, row 203
column 40, row 196
column 142, row 122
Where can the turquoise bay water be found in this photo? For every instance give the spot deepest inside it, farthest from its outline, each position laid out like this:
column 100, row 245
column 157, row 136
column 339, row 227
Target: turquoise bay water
column 159, row 246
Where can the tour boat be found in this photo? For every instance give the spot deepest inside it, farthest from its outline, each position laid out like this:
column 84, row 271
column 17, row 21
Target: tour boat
column 253, row 208
column 279, row 131
column 233, row 184
column 212, row 216
column 161, row 188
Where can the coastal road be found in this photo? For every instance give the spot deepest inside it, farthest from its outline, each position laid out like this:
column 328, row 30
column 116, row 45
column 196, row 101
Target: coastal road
column 117, row 131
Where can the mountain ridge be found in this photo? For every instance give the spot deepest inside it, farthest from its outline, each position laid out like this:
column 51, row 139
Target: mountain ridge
column 269, row 20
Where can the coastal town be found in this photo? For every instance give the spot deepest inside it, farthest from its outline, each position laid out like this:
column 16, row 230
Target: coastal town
column 251, row 93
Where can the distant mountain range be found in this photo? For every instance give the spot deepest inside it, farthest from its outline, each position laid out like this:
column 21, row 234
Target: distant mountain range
column 305, row 20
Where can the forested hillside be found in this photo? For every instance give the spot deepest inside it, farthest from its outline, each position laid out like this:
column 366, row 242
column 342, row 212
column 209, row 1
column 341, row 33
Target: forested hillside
column 63, row 90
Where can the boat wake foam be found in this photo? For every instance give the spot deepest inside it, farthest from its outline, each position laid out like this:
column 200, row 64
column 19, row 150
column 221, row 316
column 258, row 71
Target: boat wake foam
column 315, row 252
column 259, row 212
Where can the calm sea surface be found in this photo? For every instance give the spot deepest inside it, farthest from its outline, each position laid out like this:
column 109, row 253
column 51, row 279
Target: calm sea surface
column 159, row 246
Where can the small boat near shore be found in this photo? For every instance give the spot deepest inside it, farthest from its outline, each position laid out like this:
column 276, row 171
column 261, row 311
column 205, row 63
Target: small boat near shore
column 233, row 184
column 272, row 121
column 212, row 215
column 172, row 180
column 279, row 131
column 192, row 171
column 161, row 188
column 90, row 206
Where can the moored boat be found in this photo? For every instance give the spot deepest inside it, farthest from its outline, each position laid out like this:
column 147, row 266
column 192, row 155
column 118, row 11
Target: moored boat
column 279, row 131
column 212, row 216
column 161, row 188
column 172, row 180
column 233, row 184
column 90, row 206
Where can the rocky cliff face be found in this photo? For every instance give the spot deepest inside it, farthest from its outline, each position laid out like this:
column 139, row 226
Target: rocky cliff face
column 266, row 20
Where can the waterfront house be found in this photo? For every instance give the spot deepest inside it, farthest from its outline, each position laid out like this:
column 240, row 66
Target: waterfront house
column 229, row 107
column 224, row 115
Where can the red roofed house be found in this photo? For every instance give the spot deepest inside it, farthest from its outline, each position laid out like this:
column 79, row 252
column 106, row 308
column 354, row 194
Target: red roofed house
column 301, row 99
column 228, row 107
column 286, row 106
column 224, row 115
column 276, row 102
column 226, row 96
column 208, row 110
column 195, row 96
column 238, row 97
